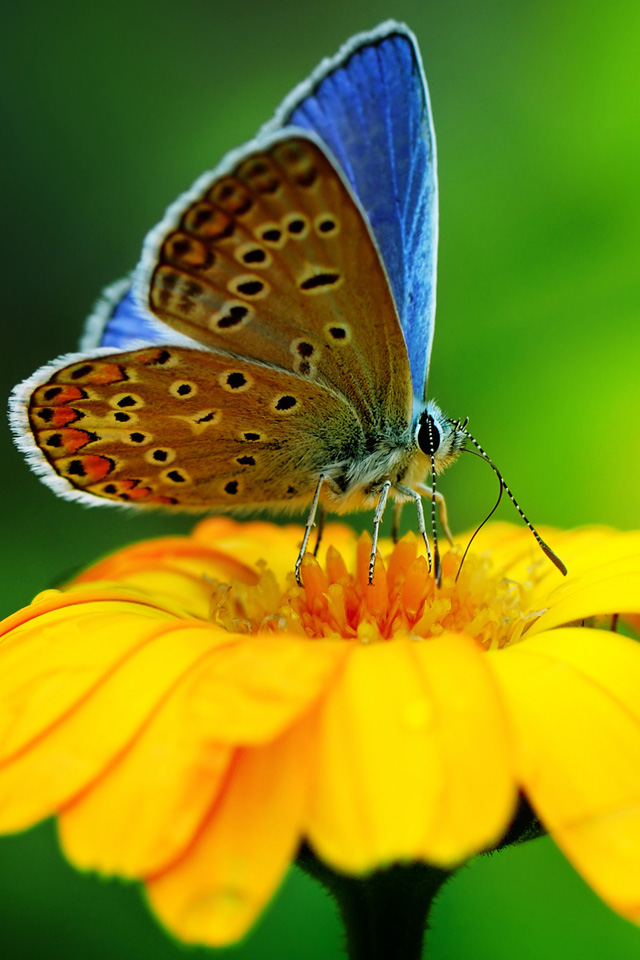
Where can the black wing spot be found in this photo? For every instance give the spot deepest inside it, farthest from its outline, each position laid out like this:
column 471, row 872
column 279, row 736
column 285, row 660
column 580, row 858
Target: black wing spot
column 286, row 403
column 305, row 349
column 180, row 389
column 181, row 246
column 75, row 469
column 160, row 455
column 127, row 402
column 121, row 417
column 55, row 440
column 169, row 280
column 46, row 414
column 296, row 226
column 251, row 288
column 176, row 476
column 162, row 357
column 231, row 487
column 272, row 235
column 236, row 380
column 252, row 436
column 326, row 226
column 320, row 280
column 137, row 437
column 81, row 371
column 110, row 488
column 246, row 461
column 236, row 315
column 202, row 215
column 52, row 393
column 255, row 256
column 291, row 491
column 338, row 333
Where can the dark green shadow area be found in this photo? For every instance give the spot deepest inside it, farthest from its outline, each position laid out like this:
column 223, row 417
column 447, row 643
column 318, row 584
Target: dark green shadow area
column 49, row 910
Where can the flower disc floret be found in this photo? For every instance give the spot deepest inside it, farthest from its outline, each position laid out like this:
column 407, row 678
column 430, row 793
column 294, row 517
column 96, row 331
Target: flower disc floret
column 402, row 600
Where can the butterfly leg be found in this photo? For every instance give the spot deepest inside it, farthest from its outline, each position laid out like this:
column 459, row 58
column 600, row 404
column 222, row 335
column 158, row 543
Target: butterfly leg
column 377, row 520
column 442, row 508
column 417, row 499
column 311, row 519
column 322, row 516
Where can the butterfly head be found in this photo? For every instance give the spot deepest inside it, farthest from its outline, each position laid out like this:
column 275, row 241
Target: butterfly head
column 438, row 437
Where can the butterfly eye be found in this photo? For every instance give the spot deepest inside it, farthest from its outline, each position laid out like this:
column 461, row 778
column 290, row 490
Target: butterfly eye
column 428, row 435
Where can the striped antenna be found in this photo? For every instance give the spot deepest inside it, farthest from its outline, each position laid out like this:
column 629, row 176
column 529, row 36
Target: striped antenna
column 546, row 549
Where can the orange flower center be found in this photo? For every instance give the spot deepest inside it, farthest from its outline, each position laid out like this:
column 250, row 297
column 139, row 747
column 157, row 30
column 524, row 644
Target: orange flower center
column 336, row 603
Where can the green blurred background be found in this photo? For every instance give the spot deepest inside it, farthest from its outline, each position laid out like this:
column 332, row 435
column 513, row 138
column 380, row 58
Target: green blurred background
column 110, row 109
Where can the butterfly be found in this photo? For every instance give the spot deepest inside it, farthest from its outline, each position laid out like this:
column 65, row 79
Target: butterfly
column 272, row 347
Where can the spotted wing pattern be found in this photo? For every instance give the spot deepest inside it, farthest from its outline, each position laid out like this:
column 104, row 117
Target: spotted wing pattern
column 174, row 427
column 288, row 362
column 274, row 262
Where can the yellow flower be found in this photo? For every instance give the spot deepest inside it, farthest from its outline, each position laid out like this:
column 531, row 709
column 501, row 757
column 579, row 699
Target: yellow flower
column 192, row 716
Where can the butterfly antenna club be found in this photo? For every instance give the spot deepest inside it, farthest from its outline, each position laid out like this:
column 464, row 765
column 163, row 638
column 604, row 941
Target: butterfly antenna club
column 481, row 453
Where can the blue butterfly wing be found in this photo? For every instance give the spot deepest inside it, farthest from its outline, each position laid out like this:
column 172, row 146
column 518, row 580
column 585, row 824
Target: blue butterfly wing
column 118, row 322
column 370, row 105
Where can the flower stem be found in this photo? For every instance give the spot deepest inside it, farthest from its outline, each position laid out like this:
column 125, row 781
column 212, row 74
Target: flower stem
column 384, row 913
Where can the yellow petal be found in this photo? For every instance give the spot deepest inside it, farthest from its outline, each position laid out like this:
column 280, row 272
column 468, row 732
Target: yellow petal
column 259, row 541
column 249, row 693
column 389, row 785
column 87, row 737
column 50, row 601
column 514, row 551
column 472, row 739
column 216, row 891
column 589, row 548
column 179, row 568
column 573, row 698
column 58, row 654
column 515, row 554
column 142, row 812
column 614, row 587
column 189, row 596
